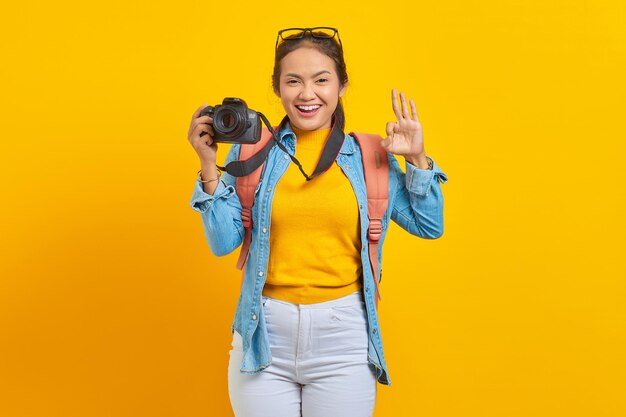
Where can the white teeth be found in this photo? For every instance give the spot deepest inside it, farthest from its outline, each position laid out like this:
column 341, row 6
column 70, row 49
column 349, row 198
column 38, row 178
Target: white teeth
column 308, row 108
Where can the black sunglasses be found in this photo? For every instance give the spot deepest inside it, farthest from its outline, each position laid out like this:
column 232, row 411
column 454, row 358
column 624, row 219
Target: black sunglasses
column 320, row 32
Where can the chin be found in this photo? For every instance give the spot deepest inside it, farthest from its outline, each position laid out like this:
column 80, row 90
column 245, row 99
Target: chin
column 309, row 124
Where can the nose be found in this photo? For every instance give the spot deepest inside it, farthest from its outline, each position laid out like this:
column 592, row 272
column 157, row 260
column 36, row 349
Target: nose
column 307, row 92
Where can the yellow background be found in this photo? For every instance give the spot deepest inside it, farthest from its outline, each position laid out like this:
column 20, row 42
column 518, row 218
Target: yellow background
column 111, row 303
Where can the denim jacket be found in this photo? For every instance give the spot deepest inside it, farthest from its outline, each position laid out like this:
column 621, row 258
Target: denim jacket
column 415, row 203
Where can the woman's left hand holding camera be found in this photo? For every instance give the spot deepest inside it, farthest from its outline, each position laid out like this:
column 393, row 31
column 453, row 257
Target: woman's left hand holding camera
column 404, row 137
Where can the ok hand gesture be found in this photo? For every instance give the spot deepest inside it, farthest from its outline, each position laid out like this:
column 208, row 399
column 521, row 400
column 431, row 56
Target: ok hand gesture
column 404, row 137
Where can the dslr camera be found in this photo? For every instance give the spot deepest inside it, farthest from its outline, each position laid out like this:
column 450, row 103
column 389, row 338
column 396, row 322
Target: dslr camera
column 234, row 122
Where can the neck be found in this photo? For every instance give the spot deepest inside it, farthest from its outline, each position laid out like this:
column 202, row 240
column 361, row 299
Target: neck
column 311, row 136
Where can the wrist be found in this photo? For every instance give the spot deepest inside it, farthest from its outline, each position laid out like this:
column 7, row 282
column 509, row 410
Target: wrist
column 420, row 161
column 210, row 175
column 208, row 165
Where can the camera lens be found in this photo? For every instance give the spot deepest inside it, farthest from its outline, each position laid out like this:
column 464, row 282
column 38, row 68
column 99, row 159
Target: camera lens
column 228, row 122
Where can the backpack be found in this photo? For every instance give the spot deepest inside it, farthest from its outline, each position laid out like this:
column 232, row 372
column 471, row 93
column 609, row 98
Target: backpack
column 376, row 171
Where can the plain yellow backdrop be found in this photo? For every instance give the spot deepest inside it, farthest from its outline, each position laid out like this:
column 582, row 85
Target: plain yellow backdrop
column 111, row 303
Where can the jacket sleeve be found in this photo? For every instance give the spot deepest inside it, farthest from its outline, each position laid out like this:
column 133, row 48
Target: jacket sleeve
column 221, row 212
column 418, row 206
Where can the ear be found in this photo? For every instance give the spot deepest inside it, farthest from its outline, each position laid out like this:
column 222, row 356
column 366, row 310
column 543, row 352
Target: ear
column 342, row 91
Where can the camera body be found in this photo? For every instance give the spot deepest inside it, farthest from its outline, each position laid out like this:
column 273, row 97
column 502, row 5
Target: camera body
column 234, row 122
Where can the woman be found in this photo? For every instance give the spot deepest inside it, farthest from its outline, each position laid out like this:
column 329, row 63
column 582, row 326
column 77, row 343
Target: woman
column 306, row 337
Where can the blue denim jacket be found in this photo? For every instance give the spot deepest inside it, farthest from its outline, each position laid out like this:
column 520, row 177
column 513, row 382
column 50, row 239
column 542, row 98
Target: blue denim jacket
column 415, row 203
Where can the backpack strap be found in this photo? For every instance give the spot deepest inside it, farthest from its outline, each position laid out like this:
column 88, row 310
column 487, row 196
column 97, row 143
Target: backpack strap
column 246, row 186
column 376, row 170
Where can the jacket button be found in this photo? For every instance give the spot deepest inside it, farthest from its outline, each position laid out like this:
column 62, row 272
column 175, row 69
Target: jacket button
column 253, row 316
column 265, row 230
column 261, row 273
column 374, row 331
column 286, row 157
column 367, row 289
column 269, row 189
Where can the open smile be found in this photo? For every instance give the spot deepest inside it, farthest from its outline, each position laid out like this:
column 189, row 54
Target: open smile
column 309, row 110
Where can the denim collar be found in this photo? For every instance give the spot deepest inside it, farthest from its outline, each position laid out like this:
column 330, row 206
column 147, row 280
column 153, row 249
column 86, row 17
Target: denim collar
column 288, row 138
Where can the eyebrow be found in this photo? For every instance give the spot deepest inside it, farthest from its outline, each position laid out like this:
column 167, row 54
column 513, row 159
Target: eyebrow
column 291, row 74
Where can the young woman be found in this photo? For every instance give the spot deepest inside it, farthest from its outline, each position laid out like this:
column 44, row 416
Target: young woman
column 306, row 336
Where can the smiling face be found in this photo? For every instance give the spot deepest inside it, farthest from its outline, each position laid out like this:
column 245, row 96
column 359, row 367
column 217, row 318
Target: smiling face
column 309, row 88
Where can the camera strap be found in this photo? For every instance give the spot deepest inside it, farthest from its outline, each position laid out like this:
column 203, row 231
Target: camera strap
column 334, row 141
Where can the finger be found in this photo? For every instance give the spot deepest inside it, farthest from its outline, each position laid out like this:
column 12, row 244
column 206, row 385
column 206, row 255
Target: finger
column 211, row 132
column 394, row 104
column 198, row 110
column 414, row 111
column 208, row 129
column 199, row 120
column 390, row 128
column 197, row 133
column 405, row 107
column 386, row 144
column 200, row 135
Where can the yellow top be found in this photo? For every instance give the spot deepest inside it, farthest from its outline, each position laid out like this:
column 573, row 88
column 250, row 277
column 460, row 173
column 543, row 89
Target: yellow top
column 315, row 234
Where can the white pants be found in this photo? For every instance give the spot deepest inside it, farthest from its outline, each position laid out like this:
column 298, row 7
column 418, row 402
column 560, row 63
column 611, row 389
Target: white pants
column 319, row 363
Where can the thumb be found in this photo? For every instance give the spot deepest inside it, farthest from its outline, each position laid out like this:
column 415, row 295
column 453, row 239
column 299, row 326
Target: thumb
column 386, row 143
column 390, row 128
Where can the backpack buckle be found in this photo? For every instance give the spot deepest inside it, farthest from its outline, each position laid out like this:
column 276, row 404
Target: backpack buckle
column 375, row 230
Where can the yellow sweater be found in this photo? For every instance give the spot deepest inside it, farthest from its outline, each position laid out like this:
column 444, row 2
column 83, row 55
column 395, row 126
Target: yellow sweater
column 314, row 236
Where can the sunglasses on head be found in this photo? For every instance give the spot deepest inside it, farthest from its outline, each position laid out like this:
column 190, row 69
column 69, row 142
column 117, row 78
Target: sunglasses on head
column 320, row 32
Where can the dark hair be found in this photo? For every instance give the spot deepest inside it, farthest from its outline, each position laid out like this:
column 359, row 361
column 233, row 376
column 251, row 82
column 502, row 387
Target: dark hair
column 328, row 46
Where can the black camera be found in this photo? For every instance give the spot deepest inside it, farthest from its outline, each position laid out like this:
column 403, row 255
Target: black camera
column 234, row 122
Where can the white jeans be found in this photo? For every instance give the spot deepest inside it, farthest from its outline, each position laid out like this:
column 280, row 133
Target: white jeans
column 319, row 363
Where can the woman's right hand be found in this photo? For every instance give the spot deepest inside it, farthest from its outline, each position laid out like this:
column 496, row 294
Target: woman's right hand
column 200, row 135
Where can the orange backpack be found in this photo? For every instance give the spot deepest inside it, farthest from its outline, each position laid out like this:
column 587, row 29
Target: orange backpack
column 376, row 170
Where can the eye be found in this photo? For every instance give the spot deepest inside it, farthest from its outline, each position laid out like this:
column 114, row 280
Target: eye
column 322, row 80
column 292, row 81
